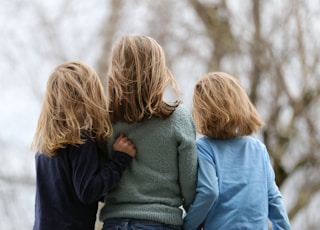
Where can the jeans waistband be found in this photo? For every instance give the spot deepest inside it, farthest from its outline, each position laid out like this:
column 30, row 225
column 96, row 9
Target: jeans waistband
column 140, row 221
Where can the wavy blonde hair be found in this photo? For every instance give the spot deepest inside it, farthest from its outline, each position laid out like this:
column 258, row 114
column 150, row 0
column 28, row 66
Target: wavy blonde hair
column 74, row 107
column 222, row 109
column 137, row 77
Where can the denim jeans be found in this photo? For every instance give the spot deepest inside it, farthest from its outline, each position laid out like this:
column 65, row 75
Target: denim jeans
column 135, row 224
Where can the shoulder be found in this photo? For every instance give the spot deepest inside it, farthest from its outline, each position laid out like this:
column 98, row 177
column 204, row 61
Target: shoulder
column 255, row 142
column 257, row 146
column 204, row 143
column 182, row 115
column 207, row 142
column 83, row 152
column 182, row 119
column 88, row 143
column 181, row 110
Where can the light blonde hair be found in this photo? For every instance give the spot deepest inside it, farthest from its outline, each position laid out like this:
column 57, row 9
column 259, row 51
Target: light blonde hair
column 74, row 108
column 137, row 78
column 222, row 109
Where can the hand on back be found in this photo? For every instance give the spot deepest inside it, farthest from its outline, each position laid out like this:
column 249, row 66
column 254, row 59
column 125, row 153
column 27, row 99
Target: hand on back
column 123, row 144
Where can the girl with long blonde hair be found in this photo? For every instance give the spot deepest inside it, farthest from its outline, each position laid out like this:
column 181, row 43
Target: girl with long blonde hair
column 162, row 178
column 73, row 123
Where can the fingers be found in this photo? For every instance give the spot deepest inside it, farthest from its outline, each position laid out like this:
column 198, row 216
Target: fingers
column 119, row 139
column 122, row 139
column 125, row 145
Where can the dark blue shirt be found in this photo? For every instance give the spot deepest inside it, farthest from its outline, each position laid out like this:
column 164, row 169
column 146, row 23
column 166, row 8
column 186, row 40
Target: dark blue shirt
column 70, row 184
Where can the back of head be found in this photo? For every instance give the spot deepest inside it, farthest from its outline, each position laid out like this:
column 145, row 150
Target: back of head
column 74, row 105
column 137, row 78
column 222, row 109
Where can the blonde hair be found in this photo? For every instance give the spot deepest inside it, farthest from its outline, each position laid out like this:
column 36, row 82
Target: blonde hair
column 74, row 107
column 222, row 109
column 137, row 78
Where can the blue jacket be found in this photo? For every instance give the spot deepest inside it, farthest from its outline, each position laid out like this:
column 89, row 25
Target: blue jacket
column 236, row 187
column 70, row 184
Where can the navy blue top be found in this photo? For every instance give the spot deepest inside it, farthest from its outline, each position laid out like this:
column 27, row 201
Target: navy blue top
column 70, row 184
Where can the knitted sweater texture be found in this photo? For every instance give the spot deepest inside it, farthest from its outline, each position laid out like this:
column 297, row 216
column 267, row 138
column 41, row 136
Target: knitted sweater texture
column 162, row 176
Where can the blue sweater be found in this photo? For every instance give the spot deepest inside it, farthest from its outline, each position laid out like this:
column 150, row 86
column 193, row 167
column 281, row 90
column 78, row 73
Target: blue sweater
column 70, row 184
column 236, row 187
column 162, row 177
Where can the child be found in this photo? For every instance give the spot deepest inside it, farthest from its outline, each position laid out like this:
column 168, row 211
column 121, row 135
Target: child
column 163, row 176
column 73, row 122
column 236, row 183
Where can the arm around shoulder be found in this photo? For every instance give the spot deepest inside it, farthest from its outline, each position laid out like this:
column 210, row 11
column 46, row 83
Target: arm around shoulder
column 207, row 190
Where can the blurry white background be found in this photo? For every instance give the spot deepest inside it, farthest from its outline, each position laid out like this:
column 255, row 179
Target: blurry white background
column 271, row 46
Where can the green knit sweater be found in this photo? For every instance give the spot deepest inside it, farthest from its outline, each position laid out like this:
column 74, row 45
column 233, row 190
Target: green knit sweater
column 162, row 177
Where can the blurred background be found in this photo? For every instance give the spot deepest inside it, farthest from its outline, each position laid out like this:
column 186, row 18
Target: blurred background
column 271, row 46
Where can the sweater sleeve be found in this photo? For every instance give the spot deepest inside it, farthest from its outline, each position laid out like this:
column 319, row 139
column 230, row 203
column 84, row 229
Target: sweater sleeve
column 277, row 212
column 90, row 182
column 187, row 158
